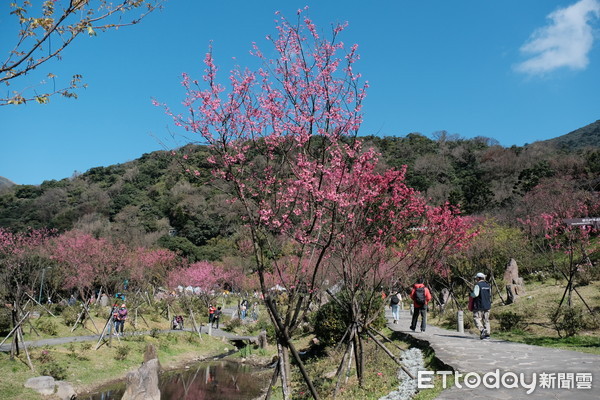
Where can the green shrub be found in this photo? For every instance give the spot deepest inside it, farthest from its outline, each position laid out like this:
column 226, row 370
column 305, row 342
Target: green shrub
column 70, row 315
column 5, row 321
column 45, row 357
column 267, row 326
column 47, row 326
column 155, row 332
column 122, row 352
column 54, row 370
column 568, row 321
column 331, row 320
column 232, row 324
column 58, row 308
column 72, row 352
column 510, row 321
column 330, row 323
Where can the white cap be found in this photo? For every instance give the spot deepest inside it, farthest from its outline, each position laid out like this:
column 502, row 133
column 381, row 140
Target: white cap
column 480, row 275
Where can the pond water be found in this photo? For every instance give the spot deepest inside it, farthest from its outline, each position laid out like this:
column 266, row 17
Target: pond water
column 224, row 380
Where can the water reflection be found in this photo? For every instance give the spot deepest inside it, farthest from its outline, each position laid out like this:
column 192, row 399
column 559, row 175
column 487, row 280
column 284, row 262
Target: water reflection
column 213, row 380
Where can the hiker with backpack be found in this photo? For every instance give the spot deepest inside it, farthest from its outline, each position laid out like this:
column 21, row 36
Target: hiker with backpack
column 395, row 300
column 421, row 297
column 482, row 303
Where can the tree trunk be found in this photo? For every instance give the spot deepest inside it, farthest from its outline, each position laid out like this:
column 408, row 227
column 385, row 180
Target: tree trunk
column 283, row 371
column 358, row 357
column 341, row 368
column 273, row 381
column 283, row 339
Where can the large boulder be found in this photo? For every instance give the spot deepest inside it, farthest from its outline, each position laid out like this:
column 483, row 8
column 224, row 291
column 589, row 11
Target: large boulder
column 261, row 340
column 143, row 383
column 65, row 391
column 514, row 284
column 47, row 386
column 42, row 384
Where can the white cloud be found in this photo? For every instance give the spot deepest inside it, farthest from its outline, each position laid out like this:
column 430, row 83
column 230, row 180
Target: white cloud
column 564, row 42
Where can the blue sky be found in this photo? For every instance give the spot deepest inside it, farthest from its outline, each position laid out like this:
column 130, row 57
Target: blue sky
column 516, row 71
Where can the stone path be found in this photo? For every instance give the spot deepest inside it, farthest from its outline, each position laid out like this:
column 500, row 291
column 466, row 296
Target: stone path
column 568, row 373
column 63, row 340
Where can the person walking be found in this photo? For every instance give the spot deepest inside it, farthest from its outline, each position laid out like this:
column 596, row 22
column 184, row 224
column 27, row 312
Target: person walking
column 421, row 297
column 115, row 315
column 121, row 317
column 482, row 303
column 395, row 300
column 243, row 309
column 216, row 317
column 211, row 313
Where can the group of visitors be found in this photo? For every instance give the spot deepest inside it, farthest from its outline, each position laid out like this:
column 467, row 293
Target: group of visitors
column 214, row 316
column 480, row 303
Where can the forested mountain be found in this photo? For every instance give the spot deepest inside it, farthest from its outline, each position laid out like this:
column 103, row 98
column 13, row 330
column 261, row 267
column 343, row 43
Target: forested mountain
column 154, row 201
column 586, row 137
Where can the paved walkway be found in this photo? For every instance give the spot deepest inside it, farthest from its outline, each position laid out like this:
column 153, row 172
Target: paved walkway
column 62, row 340
column 466, row 353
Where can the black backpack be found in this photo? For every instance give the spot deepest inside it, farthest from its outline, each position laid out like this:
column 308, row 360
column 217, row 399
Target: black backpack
column 394, row 300
column 420, row 298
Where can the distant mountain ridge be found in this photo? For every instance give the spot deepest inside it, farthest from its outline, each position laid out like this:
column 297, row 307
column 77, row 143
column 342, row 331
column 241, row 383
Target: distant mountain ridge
column 585, row 137
column 5, row 183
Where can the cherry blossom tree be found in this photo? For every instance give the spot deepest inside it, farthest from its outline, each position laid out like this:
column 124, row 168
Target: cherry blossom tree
column 210, row 278
column 149, row 268
column 385, row 229
column 282, row 138
column 556, row 226
column 22, row 260
column 85, row 261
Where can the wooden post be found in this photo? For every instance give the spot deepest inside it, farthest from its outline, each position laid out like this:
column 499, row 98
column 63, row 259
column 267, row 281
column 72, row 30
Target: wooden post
column 15, row 328
column 20, row 334
column 50, row 312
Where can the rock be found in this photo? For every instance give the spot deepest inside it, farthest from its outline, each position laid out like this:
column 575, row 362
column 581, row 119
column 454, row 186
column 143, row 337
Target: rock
column 330, row 374
column 261, row 340
column 514, row 284
column 65, row 391
column 143, row 383
column 42, row 384
column 104, row 300
column 150, row 352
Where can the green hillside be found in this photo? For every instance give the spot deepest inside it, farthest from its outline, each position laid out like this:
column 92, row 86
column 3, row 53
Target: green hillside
column 582, row 138
column 154, row 201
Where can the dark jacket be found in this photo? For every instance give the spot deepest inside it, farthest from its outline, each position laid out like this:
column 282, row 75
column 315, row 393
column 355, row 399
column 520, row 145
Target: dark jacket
column 483, row 302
